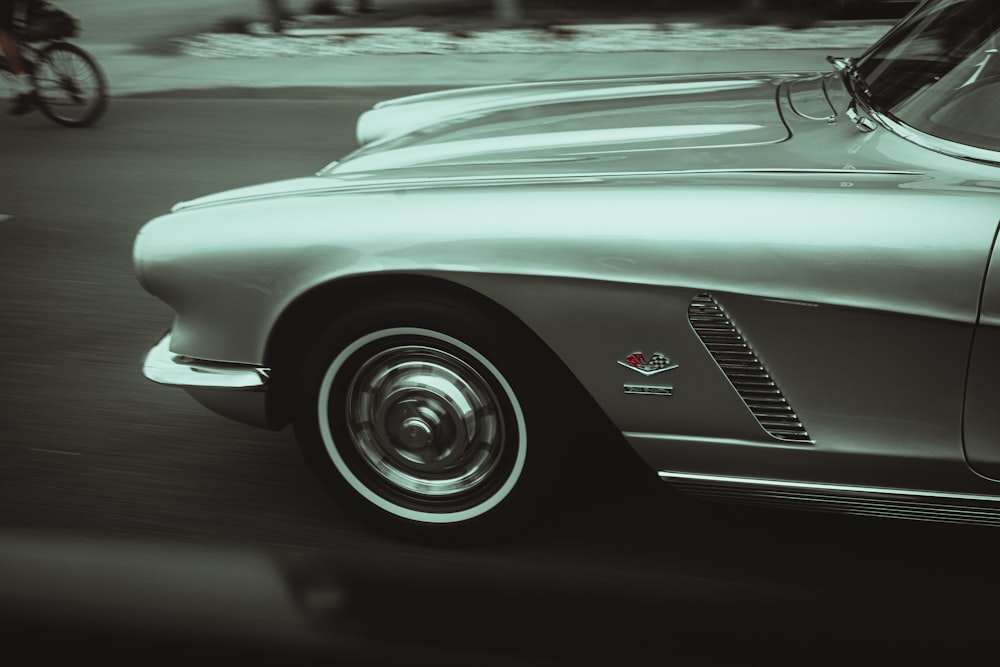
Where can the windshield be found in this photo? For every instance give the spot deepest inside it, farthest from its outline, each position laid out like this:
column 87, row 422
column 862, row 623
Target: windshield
column 939, row 72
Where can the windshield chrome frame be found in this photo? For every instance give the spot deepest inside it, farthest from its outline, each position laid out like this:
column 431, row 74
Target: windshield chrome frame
column 859, row 91
column 937, row 144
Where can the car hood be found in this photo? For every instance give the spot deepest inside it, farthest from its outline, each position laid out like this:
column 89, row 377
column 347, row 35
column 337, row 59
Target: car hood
column 605, row 125
column 642, row 129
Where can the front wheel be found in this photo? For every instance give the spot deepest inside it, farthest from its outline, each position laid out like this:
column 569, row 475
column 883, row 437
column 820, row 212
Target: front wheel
column 71, row 87
column 421, row 417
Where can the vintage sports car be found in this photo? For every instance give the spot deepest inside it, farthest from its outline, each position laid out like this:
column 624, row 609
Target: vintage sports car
column 776, row 288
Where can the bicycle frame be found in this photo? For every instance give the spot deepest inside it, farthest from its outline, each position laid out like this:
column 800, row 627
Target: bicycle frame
column 28, row 52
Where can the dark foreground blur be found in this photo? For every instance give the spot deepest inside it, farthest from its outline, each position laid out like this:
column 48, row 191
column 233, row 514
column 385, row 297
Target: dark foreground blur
column 130, row 602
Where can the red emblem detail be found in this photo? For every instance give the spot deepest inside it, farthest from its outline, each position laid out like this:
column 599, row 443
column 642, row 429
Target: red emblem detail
column 636, row 360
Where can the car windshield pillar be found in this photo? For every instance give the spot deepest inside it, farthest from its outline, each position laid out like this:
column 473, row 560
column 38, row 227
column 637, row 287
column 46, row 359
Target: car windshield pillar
column 938, row 72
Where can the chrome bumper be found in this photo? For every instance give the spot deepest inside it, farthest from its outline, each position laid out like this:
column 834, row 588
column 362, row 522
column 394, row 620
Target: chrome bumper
column 164, row 367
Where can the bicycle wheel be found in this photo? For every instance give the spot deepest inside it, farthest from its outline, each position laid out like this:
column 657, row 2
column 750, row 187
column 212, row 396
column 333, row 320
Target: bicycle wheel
column 71, row 87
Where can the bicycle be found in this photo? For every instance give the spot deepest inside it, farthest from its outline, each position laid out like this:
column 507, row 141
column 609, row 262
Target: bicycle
column 69, row 85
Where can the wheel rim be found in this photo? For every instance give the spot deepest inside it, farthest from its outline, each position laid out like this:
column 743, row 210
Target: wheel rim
column 425, row 421
column 429, row 429
column 68, row 85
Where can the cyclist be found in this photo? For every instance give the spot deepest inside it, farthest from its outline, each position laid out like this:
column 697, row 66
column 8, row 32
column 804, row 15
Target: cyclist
column 25, row 92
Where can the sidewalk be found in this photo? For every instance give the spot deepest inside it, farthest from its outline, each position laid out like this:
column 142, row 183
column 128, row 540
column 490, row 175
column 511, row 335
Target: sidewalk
column 433, row 43
column 410, row 45
column 270, row 62
column 131, row 74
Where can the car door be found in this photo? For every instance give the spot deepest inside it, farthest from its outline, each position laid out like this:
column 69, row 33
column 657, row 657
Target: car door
column 982, row 408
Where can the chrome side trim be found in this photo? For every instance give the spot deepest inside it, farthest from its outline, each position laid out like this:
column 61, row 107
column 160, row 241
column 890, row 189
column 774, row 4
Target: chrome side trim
column 708, row 440
column 345, row 185
column 815, row 486
column 913, row 504
column 164, row 367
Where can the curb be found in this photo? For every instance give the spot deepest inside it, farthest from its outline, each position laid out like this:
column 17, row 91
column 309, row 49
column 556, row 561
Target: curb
column 567, row 29
column 338, row 92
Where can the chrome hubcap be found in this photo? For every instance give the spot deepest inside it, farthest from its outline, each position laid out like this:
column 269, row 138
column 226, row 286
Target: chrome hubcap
column 425, row 421
column 417, row 433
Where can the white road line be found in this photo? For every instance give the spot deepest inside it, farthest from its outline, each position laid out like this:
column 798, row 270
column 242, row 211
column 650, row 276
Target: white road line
column 4, row 217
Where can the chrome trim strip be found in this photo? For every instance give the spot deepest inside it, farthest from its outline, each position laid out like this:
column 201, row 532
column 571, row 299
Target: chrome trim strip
column 832, row 117
column 667, row 476
column 936, row 144
column 709, row 440
column 346, row 185
column 498, row 178
column 164, row 367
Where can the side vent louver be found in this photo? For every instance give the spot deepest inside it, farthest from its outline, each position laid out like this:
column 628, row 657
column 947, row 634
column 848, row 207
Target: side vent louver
column 745, row 371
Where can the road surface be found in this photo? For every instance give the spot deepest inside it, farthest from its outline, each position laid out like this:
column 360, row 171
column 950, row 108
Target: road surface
column 91, row 451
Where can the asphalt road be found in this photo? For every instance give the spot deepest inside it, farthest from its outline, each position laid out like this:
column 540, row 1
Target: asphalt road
column 92, row 456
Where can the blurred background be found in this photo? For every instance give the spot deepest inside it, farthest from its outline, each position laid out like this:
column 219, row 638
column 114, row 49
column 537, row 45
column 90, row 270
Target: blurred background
column 135, row 525
column 109, row 21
